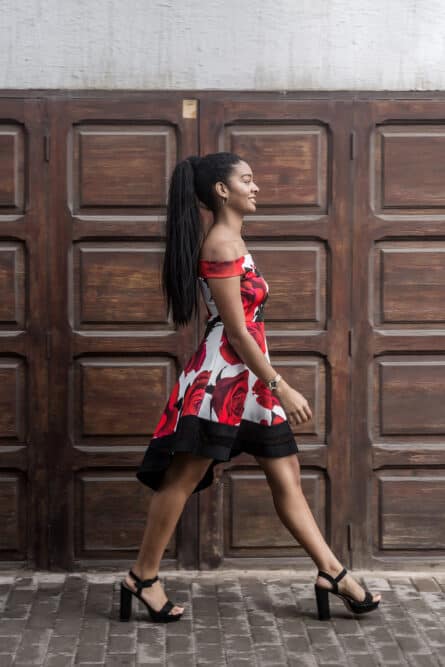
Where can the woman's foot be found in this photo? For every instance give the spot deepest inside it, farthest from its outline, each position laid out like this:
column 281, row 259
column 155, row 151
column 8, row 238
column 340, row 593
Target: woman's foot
column 154, row 594
column 347, row 585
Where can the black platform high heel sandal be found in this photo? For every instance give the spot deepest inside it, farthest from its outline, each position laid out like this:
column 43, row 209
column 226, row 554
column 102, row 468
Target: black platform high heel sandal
column 161, row 616
column 322, row 597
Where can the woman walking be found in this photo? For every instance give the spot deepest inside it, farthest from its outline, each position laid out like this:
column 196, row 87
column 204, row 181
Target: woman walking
column 228, row 398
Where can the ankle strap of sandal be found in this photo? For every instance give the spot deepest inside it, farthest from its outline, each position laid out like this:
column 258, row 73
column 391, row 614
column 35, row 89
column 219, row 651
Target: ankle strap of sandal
column 334, row 581
column 139, row 583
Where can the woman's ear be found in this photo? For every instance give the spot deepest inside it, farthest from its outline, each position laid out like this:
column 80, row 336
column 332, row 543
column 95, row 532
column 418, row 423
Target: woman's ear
column 221, row 189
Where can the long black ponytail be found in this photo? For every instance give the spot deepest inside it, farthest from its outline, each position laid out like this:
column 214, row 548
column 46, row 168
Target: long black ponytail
column 192, row 180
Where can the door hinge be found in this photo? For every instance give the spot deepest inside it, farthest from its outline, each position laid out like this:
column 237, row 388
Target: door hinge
column 47, row 146
column 350, row 342
column 352, row 147
column 48, row 345
column 349, row 537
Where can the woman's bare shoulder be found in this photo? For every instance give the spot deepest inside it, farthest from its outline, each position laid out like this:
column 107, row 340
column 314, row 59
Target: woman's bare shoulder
column 222, row 250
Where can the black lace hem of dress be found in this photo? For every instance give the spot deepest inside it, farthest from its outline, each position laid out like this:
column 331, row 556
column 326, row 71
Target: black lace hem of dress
column 220, row 442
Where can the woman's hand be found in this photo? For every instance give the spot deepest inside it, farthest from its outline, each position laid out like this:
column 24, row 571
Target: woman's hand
column 294, row 404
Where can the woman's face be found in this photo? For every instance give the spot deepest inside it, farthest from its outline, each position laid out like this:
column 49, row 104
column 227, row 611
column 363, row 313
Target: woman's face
column 242, row 189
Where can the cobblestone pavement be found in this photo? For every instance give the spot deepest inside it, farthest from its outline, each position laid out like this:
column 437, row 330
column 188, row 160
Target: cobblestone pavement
column 232, row 618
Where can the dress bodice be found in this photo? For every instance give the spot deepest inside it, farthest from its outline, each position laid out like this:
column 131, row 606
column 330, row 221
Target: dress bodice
column 254, row 288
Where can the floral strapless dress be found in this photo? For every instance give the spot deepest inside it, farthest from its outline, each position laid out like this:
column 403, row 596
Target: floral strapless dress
column 218, row 408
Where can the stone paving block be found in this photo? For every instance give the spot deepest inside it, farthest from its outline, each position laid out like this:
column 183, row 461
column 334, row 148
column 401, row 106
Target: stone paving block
column 33, row 647
column 208, row 635
column 238, row 662
column 270, row 656
column 294, row 626
column 211, row 654
column 378, row 635
column 237, row 644
column 9, row 643
column 231, row 626
column 180, row 660
column 116, row 660
column 435, row 637
column 330, row 654
column 322, row 636
column 302, row 660
column 427, row 660
column 63, row 644
column 148, row 653
column 121, row 644
column 297, row 644
column 90, row 653
column 91, row 633
column 426, row 584
column 265, row 635
column 390, row 655
column 179, row 644
column 58, row 660
column 362, row 660
column 352, row 645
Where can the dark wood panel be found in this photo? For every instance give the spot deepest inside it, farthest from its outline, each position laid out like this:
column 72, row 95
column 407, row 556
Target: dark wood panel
column 111, row 509
column 13, row 503
column 12, row 286
column 116, row 286
column 118, row 400
column 409, row 284
column 252, row 528
column 120, row 167
column 409, row 506
column 13, row 404
column 409, row 162
column 12, row 165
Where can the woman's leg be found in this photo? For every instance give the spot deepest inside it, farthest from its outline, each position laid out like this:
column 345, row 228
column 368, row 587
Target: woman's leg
column 283, row 476
column 166, row 506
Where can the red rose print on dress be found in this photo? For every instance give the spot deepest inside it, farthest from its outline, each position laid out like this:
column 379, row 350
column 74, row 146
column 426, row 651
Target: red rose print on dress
column 276, row 419
column 229, row 396
column 263, row 394
column 253, row 292
column 227, row 351
column 197, row 359
column 195, row 393
column 168, row 419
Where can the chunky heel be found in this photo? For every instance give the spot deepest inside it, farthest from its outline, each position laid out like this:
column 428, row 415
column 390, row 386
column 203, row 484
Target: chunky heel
column 322, row 597
column 125, row 606
column 161, row 616
column 355, row 606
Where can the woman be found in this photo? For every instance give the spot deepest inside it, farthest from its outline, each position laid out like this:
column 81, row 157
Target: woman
column 228, row 398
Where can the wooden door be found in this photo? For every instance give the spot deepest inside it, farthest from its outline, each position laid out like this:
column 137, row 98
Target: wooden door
column 114, row 354
column 300, row 238
column 23, row 326
column 398, row 355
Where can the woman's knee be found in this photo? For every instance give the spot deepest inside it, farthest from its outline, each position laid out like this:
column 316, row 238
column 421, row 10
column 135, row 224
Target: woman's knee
column 281, row 472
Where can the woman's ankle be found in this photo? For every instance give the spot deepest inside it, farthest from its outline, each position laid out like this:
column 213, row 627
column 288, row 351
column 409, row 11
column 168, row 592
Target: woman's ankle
column 144, row 571
column 332, row 567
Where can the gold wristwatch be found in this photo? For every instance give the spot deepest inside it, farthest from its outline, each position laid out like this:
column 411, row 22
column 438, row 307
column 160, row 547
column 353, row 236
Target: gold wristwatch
column 272, row 384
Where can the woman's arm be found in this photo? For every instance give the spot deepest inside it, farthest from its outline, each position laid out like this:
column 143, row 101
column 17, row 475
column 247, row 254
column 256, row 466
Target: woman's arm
column 227, row 296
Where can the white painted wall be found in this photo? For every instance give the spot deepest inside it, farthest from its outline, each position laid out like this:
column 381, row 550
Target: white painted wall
column 223, row 44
